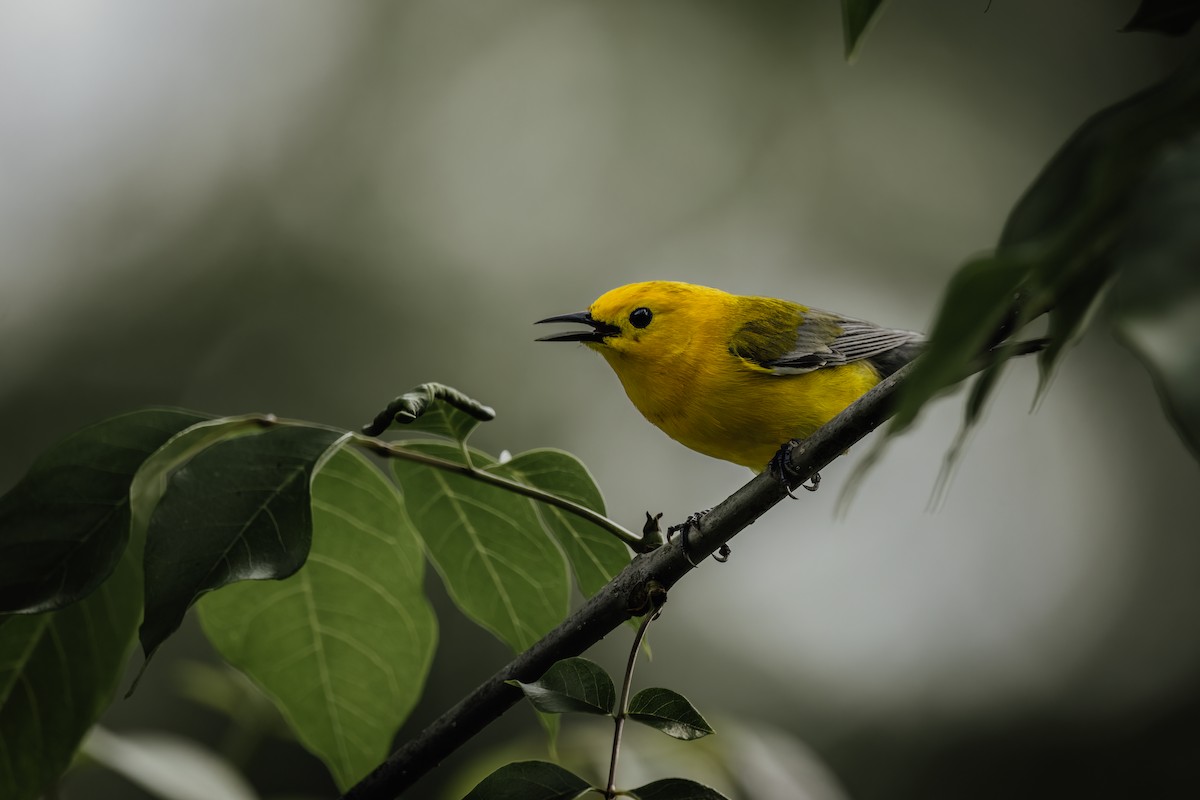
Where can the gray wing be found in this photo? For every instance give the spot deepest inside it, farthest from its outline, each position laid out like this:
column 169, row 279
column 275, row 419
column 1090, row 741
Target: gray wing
column 828, row 340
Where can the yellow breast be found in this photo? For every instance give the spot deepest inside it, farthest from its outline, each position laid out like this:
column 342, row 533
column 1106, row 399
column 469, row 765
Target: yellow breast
column 722, row 407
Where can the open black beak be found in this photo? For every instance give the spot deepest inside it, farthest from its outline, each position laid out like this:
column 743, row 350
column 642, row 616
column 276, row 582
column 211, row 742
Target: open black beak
column 599, row 331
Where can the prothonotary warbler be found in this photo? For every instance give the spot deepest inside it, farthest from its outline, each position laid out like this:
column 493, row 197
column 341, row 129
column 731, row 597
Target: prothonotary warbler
column 730, row 376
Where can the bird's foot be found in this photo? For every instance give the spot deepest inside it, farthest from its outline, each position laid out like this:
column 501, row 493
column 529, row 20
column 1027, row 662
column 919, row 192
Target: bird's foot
column 693, row 521
column 781, row 467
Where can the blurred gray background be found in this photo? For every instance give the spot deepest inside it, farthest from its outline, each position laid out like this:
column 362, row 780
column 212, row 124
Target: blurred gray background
column 307, row 207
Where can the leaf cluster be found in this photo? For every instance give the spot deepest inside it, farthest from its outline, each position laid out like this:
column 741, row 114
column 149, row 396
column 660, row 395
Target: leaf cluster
column 577, row 685
column 1106, row 230
column 305, row 561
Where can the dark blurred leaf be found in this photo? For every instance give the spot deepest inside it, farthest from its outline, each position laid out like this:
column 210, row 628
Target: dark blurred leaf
column 64, row 527
column 595, row 554
column 1069, row 317
column 675, row 789
column 1089, row 180
column 981, row 389
column 239, row 510
column 573, row 684
column 433, row 408
column 857, row 16
column 353, row 626
column 1172, row 17
column 1155, row 302
column 530, row 780
column 978, row 298
column 58, row 673
column 669, row 712
column 497, row 563
column 1055, row 253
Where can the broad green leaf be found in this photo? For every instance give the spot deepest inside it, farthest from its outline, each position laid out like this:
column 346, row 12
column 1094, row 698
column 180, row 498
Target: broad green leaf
column 857, row 17
column 573, row 684
column 1172, row 17
column 530, row 780
column 343, row 646
column 497, row 563
column 669, row 712
column 1155, row 302
column 596, row 556
column 433, row 408
column 58, row 672
column 64, row 526
column 239, row 510
column 675, row 789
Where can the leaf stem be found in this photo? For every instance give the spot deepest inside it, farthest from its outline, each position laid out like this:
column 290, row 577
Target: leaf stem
column 639, row 544
column 657, row 598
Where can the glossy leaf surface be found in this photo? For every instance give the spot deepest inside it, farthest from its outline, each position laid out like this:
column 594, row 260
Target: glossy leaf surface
column 669, row 712
column 675, row 789
column 530, row 780
column 573, row 684
column 64, row 526
column 239, row 510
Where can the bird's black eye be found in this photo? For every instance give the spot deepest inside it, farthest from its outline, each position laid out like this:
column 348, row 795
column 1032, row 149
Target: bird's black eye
column 640, row 317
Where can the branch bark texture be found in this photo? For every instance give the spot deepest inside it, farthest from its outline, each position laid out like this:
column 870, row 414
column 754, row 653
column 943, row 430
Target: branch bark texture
column 627, row 595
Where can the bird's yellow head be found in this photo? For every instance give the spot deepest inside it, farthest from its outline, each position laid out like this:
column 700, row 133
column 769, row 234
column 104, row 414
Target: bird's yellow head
column 646, row 321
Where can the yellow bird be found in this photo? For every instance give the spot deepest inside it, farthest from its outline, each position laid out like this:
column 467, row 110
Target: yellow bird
column 730, row 376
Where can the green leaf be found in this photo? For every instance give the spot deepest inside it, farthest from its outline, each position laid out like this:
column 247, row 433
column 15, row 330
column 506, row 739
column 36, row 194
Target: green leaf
column 1057, row 244
column 857, row 17
column 58, row 673
column 596, row 556
column 977, row 300
column 1172, row 17
column 433, row 408
column 530, row 780
column 675, row 789
column 151, row 480
column 343, row 646
column 497, row 563
column 1073, row 309
column 1084, row 188
column 1155, row 302
column 573, row 684
column 239, row 510
column 669, row 712
column 64, row 526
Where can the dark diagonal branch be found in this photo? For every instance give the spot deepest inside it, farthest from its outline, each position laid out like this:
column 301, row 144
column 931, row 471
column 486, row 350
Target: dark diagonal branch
column 623, row 597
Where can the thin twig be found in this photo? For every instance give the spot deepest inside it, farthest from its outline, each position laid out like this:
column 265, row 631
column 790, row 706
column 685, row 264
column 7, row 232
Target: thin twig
column 623, row 705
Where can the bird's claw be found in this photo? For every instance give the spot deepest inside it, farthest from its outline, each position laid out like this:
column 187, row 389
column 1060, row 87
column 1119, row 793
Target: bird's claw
column 693, row 521
column 781, row 467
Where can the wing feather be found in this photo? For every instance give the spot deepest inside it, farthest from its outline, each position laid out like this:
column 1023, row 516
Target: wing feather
column 828, row 340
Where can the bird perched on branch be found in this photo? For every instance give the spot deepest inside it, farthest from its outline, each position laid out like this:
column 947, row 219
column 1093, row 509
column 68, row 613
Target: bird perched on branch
column 730, row 376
